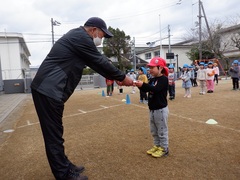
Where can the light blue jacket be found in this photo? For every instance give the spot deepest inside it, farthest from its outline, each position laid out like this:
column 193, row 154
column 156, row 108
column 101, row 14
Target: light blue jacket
column 186, row 82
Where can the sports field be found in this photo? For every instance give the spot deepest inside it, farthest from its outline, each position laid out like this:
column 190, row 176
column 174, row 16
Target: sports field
column 110, row 137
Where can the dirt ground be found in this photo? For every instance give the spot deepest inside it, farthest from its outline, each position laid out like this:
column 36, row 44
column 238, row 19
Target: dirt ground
column 110, row 138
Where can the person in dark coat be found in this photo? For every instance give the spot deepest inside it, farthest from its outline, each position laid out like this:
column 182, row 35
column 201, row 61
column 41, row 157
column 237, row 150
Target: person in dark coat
column 55, row 81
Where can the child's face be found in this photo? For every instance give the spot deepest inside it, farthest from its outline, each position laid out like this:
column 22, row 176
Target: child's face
column 210, row 65
column 171, row 70
column 184, row 69
column 155, row 71
column 201, row 67
column 140, row 72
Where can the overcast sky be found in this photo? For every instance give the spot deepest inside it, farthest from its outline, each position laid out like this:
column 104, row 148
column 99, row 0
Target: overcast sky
column 141, row 19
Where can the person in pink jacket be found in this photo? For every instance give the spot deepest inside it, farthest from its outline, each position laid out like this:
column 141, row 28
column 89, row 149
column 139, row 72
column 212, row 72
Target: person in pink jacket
column 210, row 77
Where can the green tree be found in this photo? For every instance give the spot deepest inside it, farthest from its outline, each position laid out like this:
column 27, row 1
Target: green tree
column 88, row 71
column 118, row 46
column 193, row 54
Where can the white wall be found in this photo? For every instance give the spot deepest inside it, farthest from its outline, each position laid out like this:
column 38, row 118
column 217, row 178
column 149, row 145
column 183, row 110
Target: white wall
column 180, row 50
column 12, row 63
column 226, row 44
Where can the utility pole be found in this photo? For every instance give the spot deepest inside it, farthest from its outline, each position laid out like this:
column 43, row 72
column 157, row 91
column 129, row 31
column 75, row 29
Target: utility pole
column 133, row 52
column 169, row 42
column 209, row 31
column 160, row 31
column 54, row 23
column 200, row 30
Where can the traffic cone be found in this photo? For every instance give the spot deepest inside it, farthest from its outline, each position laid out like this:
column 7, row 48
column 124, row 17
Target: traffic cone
column 128, row 99
column 103, row 93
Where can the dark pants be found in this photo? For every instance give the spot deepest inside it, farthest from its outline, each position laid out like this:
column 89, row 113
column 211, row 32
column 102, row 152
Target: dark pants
column 216, row 78
column 235, row 82
column 195, row 82
column 109, row 90
column 50, row 114
column 192, row 81
column 171, row 89
column 143, row 95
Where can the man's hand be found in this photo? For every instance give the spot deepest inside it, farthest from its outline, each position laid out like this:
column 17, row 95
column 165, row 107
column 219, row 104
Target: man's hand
column 126, row 82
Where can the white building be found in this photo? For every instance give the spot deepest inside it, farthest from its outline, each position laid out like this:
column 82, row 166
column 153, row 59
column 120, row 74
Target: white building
column 14, row 56
column 179, row 50
column 227, row 45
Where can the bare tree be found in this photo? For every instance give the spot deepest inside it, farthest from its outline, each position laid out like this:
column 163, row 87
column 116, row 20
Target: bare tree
column 236, row 40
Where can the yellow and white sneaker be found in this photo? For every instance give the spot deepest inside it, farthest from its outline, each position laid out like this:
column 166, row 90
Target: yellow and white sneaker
column 152, row 150
column 160, row 152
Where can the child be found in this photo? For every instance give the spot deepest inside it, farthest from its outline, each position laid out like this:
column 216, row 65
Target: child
column 171, row 82
column 109, row 84
column 195, row 84
column 210, row 76
column 120, row 88
column 216, row 70
column 149, row 76
column 192, row 74
column 186, row 82
column 202, row 77
column 234, row 71
column 205, row 66
column 132, row 75
column 158, row 107
column 142, row 77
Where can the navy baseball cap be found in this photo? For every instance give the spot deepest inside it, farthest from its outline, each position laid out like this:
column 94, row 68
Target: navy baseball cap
column 99, row 23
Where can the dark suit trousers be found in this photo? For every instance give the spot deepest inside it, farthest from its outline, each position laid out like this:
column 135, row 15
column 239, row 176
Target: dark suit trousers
column 50, row 114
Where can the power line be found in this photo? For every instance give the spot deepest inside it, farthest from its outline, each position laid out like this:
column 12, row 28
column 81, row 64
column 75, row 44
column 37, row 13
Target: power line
column 165, row 6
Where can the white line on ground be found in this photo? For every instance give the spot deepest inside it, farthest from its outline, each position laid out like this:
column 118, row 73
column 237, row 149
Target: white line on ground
column 27, row 125
column 104, row 106
column 186, row 118
column 94, row 110
column 140, row 106
column 82, row 111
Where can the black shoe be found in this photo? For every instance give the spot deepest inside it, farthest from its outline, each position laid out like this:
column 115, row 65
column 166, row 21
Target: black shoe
column 77, row 169
column 74, row 173
column 76, row 177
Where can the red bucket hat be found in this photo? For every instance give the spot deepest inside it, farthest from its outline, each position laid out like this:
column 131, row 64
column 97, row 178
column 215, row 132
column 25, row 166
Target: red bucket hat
column 160, row 62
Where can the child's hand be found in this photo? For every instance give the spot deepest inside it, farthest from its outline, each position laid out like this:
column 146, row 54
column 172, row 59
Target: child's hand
column 138, row 83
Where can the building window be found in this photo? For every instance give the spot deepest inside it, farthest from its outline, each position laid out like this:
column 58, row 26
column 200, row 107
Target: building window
column 157, row 53
column 148, row 56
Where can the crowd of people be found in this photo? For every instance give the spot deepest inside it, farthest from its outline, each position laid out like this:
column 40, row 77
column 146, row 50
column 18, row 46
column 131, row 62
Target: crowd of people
column 202, row 75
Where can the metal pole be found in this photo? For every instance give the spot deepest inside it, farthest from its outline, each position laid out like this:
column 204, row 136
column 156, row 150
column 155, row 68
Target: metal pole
column 200, row 31
column 160, row 31
column 209, row 31
column 177, row 65
column 134, row 54
column 169, row 43
column 52, row 31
